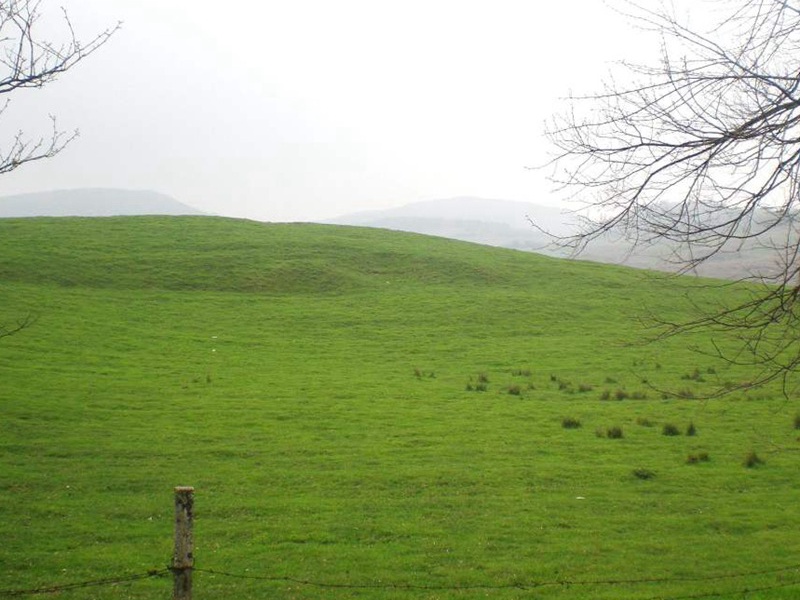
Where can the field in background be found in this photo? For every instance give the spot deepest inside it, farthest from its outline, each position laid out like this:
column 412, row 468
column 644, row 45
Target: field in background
column 365, row 407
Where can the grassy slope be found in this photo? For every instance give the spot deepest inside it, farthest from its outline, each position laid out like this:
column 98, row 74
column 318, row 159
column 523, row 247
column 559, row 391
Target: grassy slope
column 273, row 367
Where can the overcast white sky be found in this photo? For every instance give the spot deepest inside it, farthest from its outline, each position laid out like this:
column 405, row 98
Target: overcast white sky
column 308, row 109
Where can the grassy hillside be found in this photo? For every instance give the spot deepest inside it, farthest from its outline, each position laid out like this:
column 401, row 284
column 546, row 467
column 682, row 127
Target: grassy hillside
column 322, row 388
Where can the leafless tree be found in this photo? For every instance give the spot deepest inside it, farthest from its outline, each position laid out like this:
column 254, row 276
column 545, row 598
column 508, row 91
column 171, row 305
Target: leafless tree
column 702, row 149
column 28, row 60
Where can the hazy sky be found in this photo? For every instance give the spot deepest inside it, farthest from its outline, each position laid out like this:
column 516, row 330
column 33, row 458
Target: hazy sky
column 307, row 109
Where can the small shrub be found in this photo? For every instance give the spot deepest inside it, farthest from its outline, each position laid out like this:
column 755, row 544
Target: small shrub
column 614, row 433
column 470, row 388
column 644, row 422
column 691, row 430
column 752, row 460
column 797, row 421
column 583, row 388
column 670, row 429
column 514, row 390
column 553, row 378
column 711, row 371
column 570, row 423
column 620, row 395
column 643, row 474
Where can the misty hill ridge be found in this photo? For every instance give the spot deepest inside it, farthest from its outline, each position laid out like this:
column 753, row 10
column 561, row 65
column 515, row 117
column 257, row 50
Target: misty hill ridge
column 92, row 202
column 507, row 224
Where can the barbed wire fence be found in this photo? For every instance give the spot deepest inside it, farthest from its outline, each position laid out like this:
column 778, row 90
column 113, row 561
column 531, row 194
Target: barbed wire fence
column 183, row 566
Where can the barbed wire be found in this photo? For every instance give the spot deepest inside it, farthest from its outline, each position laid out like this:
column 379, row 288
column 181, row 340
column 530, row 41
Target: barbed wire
column 528, row 585
column 717, row 594
column 52, row 589
column 399, row 586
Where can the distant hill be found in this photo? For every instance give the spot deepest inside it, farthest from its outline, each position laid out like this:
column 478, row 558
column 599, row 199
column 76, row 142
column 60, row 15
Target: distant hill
column 92, row 202
column 507, row 224
column 501, row 223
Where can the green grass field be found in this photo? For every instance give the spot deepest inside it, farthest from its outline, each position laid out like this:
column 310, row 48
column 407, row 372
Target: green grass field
column 322, row 388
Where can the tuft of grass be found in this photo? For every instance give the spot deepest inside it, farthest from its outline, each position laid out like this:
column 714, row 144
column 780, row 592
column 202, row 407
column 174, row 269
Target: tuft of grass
column 584, row 387
column 644, row 422
column 691, row 430
column 621, row 394
column 570, row 423
column 614, row 433
column 521, row 373
column 693, row 376
column 693, row 459
column 643, row 474
column 797, row 421
column 670, row 429
column 752, row 460
column 514, row 390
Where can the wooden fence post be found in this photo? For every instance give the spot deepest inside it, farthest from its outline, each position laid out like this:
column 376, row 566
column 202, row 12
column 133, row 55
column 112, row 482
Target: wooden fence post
column 183, row 556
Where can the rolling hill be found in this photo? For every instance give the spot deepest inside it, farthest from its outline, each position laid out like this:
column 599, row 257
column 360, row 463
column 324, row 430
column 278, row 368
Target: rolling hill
column 92, row 202
column 372, row 414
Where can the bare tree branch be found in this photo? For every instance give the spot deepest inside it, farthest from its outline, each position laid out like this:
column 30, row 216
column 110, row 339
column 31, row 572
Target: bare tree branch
column 702, row 150
column 29, row 61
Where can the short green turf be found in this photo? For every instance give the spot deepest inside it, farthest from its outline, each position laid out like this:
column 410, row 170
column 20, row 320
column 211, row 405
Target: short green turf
column 359, row 407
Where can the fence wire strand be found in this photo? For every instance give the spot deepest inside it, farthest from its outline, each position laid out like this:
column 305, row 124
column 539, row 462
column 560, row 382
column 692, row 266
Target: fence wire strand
column 56, row 588
column 535, row 584
column 398, row 586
